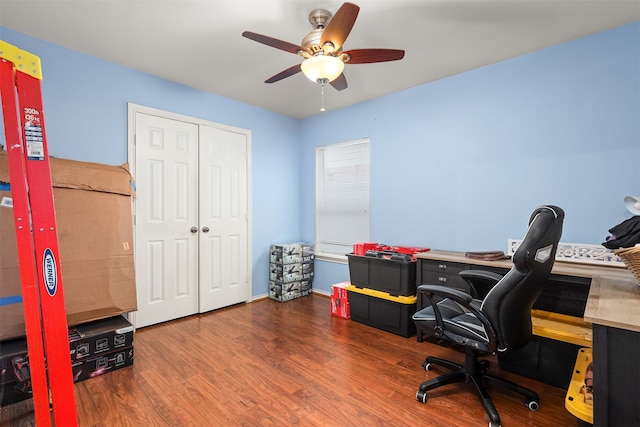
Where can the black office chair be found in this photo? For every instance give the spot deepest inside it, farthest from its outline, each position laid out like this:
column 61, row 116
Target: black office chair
column 499, row 322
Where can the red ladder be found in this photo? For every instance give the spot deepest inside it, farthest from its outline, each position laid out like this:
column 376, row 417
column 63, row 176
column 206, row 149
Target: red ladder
column 37, row 237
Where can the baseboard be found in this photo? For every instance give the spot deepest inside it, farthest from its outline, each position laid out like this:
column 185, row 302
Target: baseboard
column 318, row 292
column 322, row 293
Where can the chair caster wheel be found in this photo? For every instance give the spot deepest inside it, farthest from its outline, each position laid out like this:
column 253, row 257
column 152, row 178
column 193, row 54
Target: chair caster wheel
column 421, row 396
column 427, row 366
column 492, row 424
column 532, row 404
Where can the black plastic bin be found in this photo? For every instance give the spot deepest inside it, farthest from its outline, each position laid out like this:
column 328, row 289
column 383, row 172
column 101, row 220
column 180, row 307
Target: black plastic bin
column 385, row 272
column 383, row 311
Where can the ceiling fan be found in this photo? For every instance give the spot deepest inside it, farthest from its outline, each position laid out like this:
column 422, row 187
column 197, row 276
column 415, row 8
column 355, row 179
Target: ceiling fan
column 324, row 60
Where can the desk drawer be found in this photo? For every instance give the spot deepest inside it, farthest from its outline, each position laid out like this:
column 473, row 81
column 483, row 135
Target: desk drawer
column 448, row 280
column 442, row 267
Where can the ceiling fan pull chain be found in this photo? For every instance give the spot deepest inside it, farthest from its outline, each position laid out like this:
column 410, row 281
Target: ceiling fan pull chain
column 322, row 88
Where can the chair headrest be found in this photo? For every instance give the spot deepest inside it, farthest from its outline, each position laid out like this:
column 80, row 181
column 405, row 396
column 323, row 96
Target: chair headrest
column 545, row 228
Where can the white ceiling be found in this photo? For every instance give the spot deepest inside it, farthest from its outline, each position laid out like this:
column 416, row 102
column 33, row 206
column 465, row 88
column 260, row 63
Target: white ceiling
column 198, row 42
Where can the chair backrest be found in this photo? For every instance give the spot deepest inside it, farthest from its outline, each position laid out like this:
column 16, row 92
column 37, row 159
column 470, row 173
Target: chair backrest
column 508, row 304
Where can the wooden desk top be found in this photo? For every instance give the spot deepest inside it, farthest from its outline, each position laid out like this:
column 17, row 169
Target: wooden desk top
column 559, row 267
column 614, row 295
column 615, row 302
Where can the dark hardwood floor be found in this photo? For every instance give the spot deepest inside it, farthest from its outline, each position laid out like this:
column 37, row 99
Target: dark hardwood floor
column 277, row 364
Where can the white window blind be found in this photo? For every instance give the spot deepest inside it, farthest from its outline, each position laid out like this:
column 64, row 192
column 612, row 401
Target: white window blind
column 342, row 196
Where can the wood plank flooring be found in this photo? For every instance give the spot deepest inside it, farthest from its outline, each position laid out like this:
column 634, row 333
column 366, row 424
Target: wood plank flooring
column 279, row 364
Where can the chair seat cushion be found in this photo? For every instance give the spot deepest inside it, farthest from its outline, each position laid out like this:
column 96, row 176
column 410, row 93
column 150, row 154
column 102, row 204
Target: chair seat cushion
column 458, row 320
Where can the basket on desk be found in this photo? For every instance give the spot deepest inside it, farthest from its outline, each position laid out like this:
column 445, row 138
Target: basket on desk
column 631, row 258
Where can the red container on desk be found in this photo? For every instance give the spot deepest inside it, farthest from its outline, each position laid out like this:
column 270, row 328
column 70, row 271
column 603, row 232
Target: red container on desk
column 361, row 249
column 408, row 250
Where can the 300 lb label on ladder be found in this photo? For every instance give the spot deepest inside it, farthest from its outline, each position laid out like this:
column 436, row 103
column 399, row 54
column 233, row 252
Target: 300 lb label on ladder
column 33, row 138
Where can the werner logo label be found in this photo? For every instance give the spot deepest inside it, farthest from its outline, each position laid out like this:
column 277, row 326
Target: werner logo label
column 50, row 272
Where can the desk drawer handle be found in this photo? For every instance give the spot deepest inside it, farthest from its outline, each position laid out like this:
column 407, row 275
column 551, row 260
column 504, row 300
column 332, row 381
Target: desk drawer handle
column 442, row 279
column 442, row 266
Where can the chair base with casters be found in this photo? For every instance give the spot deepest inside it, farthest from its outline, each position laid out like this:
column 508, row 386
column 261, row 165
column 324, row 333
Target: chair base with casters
column 476, row 372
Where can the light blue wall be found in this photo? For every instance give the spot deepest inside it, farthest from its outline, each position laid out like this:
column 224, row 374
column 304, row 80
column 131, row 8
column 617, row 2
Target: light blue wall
column 457, row 164
column 85, row 106
column 460, row 163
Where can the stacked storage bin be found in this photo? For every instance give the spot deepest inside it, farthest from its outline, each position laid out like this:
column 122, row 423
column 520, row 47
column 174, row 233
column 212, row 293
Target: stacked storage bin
column 382, row 292
column 291, row 270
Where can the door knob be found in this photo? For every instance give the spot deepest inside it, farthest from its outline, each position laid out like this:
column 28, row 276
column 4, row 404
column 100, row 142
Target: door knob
column 194, row 229
column 205, row 229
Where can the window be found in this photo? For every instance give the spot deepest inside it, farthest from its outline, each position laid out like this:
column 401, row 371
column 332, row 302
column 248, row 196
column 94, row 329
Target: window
column 342, row 196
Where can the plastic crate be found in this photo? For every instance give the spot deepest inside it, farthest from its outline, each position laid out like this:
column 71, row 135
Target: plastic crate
column 385, row 272
column 382, row 311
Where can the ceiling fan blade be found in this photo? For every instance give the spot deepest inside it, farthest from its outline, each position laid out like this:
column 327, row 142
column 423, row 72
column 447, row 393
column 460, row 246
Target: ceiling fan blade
column 340, row 83
column 284, row 74
column 367, row 56
column 270, row 41
column 340, row 25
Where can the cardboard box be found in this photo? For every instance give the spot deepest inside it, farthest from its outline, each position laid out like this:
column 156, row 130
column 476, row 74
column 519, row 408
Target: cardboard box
column 95, row 348
column 287, row 273
column 100, row 337
column 93, row 215
column 17, row 391
column 291, row 270
column 101, row 364
column 287, row 291
column 14, row 363
column 292, row 253
column 306, row 286
column 340, row 300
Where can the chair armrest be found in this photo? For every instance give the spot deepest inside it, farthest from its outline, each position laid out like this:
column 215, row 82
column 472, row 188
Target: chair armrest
column 460, row 297
column 480, row 281
column 481, row 274
column 455, row 294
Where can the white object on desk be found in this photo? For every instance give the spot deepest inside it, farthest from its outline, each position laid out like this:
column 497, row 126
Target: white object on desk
column 633, row 204
column 577, row 252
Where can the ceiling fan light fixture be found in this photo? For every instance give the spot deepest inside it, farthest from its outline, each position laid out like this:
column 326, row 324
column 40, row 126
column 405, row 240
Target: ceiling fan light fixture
column 322, row 68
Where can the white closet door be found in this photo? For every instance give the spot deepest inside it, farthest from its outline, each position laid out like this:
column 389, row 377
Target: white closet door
column 166, row 250
column 224, row 225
